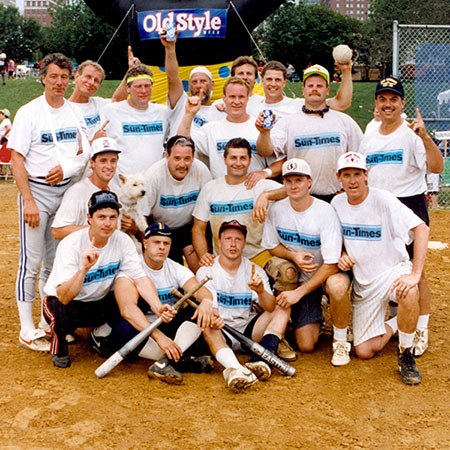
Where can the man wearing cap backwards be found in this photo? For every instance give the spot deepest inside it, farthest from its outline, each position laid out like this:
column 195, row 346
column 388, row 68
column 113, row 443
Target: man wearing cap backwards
column 376, row 227
column 306, row 231
column 44, row 141
column 316, row 134
column 398, row 155
column 167, row 344
column 72, row 213
column 87, row 267
column 173, row 185
column 240, row 287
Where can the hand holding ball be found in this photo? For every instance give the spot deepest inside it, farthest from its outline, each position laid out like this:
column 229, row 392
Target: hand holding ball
column 342, row 54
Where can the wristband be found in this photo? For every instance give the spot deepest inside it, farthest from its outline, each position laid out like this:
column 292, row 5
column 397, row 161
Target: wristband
column 268, row 171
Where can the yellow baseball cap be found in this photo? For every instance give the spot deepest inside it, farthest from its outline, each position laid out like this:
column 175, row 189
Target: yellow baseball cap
column 316, row 70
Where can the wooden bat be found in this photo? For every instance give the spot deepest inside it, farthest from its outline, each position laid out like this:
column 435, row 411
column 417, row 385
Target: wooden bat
column 253, row 346
column 120, row 355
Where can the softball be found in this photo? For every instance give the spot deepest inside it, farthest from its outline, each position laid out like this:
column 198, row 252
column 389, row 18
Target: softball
column 342, row 54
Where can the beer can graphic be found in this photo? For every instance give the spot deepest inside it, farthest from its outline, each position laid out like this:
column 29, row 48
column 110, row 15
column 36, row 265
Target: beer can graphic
column 171, row 30
column 268, row 118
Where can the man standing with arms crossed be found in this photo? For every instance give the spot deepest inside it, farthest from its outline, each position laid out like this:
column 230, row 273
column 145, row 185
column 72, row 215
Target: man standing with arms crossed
column 398, row 155
column 45, row 143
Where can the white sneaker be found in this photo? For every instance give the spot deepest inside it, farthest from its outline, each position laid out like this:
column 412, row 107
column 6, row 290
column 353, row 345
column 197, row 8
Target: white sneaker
column 260, row 369
column 420, row 344
column 35, row 340
column 341, row 353
column 239, row 379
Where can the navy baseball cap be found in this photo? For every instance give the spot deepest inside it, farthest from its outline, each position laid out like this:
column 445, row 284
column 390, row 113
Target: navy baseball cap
column 233, row 224
column 158, row 229
column 390, row 84
column 103, row 199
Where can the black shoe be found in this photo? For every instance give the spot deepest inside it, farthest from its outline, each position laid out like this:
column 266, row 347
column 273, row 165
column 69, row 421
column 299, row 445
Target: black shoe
column 407, row 367
column 61, row 361
column 195, row 364
column 165, row 372
column 100, row 345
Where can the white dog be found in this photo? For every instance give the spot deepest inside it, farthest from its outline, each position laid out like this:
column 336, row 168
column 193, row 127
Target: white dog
column 132, row 189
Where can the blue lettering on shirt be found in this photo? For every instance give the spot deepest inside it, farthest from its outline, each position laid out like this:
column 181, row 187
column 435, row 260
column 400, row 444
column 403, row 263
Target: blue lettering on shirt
column 167, row 201
column 147, row 128
column 236, row 207
column 391, row 157
column 102, row 273
column 199, row 121
column 302, row 240
column 315, row 141
column 165, row 296
column 62, row 135
column 220, row 146
column 92, row 121
column 362, row 232
column 235, row 300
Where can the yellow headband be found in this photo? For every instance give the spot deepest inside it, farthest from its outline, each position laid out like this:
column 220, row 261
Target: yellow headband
column 144, row 76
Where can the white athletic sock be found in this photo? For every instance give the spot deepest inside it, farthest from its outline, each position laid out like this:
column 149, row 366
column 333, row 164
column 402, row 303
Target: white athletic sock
column 340, row 334
column 186, row 335
column 422, row 323
column 102, row 331
column 26, row 316
column 227, row 358
column 392, row 323
column 151, row 350
column 405, row 340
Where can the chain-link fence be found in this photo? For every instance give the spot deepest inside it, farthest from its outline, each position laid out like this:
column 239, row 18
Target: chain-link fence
column 421, row 59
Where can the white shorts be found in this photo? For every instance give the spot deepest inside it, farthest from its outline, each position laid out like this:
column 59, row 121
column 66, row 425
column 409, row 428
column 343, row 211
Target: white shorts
column 370, row 303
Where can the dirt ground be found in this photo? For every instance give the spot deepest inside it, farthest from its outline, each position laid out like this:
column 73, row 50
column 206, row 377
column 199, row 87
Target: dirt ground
column 363, row 405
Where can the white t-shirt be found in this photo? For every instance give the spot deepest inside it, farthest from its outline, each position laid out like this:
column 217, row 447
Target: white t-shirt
column 372, row 126
column 219, row 202
column 32, row 137
column 118, row 258
column 92, row 113
column 2, row 60
column 235, row 300
column 285, row 107
column 316, row 230
column 207, row 113
column 171, row 201
column 139, row 134
column 375, row 234
column 397, row 162
column 3, row 125
column 74, row 205
column 171, row 275
column 320, row 142
column 210, row 140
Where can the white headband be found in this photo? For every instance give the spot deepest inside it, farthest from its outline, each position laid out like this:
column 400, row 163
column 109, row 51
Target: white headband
column 201, row 69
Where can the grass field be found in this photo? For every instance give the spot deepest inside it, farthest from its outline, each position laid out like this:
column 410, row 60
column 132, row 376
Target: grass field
column 18, row 92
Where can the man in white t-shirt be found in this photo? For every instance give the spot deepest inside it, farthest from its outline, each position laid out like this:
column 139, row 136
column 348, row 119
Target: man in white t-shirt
column 173, row 186
column 306, row 231
column 87, row 264
column 72, row 213
column 139, row 127
column 241, row 289
column 211, row 138
column 316, row 134
column 2, row 65
column 45, row 143
column 168, row 343
column 398, row 156
column 227, row 198
column 376, row 227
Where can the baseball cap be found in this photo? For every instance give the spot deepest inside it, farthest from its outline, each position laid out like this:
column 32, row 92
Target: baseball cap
column 351, row 160
column 103, row 199
column 390, row 84
column 201, row 69
column 233, row 224
column 158, row 229
column 296, row 166
column 6, row 112
column 316, row 70
column 104, row 144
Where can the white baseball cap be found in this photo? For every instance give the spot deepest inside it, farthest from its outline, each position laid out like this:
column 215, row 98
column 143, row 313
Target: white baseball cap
column 104, row 144
column 296, row 166
column 351, row 160
column 201, row 69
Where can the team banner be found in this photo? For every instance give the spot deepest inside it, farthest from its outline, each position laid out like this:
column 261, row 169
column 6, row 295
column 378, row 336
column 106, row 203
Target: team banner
column 190, row 23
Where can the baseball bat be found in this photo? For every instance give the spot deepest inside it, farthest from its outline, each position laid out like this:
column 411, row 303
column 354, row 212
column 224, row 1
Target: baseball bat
column 253, row 346
column 120, row 355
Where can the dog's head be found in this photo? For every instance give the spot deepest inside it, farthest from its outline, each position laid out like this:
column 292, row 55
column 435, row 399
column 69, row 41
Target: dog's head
column 132, row 187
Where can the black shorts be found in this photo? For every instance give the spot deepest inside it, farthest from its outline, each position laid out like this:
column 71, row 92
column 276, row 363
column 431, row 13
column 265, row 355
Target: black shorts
column 418, row 205
column 181, row 238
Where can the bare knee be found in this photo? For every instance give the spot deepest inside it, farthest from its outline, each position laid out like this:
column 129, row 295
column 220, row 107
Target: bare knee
column 364, row 352
column 337, row 287
column 306, row 337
